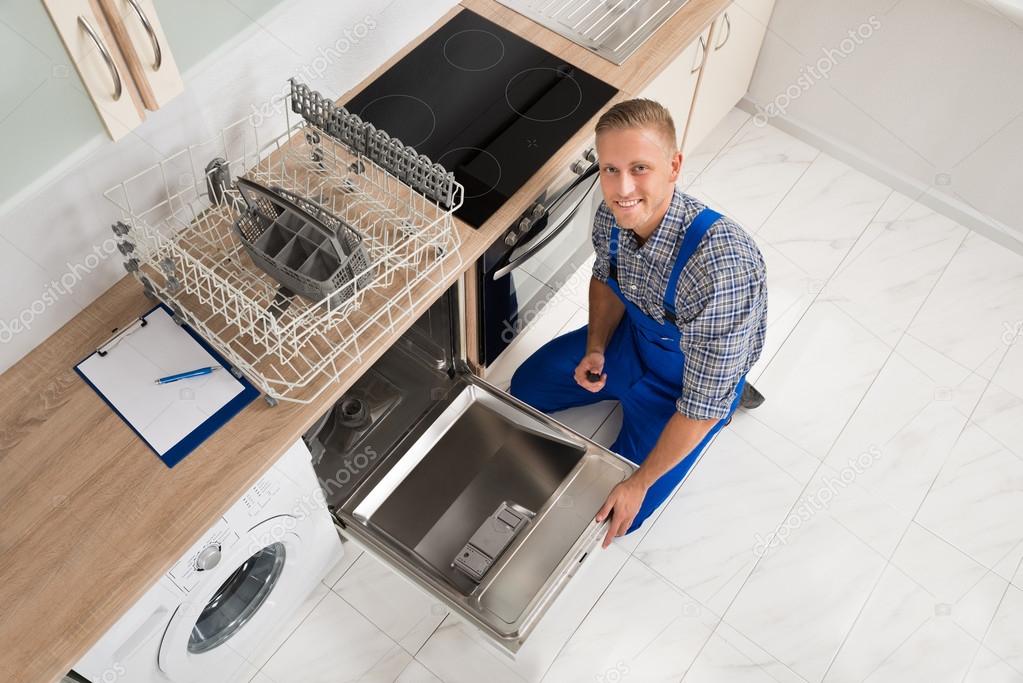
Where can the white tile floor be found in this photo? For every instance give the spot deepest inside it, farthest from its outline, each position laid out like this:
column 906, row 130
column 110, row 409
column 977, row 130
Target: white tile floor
column 865, row 524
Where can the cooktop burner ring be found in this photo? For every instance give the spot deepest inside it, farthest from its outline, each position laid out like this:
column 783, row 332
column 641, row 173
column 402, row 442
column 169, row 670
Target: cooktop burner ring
column 561, row 74
column 496, row 43
column 490, row 155
column 433, row 116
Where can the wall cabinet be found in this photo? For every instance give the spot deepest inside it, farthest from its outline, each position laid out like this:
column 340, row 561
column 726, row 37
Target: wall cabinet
column 122, row 56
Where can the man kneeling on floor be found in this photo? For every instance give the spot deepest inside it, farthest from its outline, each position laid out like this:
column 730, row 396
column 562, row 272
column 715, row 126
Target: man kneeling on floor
column 678, row 310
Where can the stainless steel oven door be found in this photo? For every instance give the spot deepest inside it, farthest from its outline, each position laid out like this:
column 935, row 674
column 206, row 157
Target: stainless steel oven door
column 488, row 505
column 567, row 224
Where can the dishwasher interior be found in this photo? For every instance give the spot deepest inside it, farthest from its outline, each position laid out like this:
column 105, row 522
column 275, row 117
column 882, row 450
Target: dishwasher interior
column 479, row 499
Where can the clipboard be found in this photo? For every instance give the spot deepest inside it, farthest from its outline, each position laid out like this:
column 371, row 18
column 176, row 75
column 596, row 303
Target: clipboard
column 172, row 419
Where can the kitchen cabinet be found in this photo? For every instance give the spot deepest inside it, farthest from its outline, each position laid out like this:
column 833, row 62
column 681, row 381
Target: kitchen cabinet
column 736, row 37
column 121, row 53
column 140, row 34
column 675, row 86
column 93, row 51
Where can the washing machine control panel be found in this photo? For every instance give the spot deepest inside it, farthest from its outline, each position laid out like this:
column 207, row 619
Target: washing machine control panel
column 259, row 495
column 204, row 556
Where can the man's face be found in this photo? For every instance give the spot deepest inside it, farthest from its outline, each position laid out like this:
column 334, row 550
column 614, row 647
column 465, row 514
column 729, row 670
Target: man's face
column 638, row 170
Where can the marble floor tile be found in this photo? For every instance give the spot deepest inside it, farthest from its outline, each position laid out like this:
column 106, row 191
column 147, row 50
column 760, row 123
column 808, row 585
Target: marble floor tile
column 352, row 552
column 753, row 174
column 641, row 629
column 976, row 502
column 823, row 216
column 806, row 591
column 417, row 673
column 401, row 610
column 892, row 267
column 896, row 443
column 696, row 161
column 315, row 598
column 974, row 306
column 774, row 446
column 1005, row 638
column 336, row 644
column 988, row 667
column 586, row 419
column 961, row 588
column 819, row 376
column 790, row 292
column 740, row 495
column 1010, row 373
column 456, row 652
column 730, row 657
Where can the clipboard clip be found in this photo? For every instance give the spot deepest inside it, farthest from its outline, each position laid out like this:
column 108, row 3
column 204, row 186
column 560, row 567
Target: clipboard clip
column 117, row 336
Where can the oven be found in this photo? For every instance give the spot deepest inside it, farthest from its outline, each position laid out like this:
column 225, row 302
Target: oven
column 523, row 271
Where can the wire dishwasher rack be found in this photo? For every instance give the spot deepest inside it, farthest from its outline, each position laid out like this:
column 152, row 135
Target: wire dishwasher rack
column 178, row 240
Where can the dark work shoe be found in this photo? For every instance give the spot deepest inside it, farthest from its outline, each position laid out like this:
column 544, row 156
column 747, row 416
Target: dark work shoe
column 751, row 398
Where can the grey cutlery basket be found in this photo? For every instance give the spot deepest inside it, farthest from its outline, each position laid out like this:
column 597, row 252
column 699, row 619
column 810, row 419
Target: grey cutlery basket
column 307, row 249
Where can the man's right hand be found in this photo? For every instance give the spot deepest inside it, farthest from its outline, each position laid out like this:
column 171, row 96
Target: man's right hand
column 592, row 362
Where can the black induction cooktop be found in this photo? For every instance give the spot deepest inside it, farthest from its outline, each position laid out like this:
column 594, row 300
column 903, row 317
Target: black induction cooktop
column 484, row 103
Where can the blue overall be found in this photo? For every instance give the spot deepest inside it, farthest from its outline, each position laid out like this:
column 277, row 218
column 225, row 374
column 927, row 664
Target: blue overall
column 643, row 363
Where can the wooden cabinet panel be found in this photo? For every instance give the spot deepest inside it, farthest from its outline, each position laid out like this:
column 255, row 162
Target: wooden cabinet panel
column 735, row 45
column 99, row 63
column 675, row 86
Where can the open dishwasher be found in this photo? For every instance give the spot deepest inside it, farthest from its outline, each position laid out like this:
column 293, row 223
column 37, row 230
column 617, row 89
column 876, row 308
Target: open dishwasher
column 482, row 501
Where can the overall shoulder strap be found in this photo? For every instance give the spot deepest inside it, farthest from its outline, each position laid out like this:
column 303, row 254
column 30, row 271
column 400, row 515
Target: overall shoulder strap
column 613, row 252
column 694, row 233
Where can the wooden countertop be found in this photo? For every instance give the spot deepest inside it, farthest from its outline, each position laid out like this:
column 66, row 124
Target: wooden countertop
column 91, row 519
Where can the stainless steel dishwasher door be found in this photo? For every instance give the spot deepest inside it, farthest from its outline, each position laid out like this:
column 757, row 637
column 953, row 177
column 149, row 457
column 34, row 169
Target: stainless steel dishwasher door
column 504, row 488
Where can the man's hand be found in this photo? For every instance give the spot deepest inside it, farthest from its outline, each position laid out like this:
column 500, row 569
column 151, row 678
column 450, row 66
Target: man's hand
column 622, row 504
column 592, row 362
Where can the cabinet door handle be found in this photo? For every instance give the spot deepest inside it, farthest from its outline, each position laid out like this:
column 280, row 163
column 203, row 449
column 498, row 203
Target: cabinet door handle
column 700, row 52
column 153, row 40
column 728, row 33
column 87, row 27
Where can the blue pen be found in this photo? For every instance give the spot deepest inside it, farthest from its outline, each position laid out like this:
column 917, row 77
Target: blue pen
column 185, row 375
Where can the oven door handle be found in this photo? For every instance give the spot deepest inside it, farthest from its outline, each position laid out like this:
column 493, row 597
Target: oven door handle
column 588, row 180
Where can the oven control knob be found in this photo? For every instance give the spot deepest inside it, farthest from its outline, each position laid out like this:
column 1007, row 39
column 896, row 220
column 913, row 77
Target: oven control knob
column 579, row 167
column 590, row 155
column 525, row 224
column 208, row 557
column 538, row 210
column 511, row 238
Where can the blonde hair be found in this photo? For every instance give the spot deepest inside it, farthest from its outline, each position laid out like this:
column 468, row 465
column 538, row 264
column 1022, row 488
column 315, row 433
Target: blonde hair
column 640, row 113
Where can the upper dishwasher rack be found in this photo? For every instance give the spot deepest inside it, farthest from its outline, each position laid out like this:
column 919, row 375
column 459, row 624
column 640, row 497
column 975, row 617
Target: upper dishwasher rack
column 177, row 237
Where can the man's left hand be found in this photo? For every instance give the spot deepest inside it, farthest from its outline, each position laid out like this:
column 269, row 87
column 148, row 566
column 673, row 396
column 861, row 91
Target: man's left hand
column 622, row 504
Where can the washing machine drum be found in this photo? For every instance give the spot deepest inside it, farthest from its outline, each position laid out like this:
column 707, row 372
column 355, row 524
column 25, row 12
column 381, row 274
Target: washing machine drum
column 235, row 610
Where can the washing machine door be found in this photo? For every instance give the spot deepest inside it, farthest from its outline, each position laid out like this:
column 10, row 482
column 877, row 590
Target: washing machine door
column 234, row 610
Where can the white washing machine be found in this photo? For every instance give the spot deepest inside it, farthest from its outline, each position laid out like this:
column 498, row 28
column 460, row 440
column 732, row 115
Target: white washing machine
column 222, row 603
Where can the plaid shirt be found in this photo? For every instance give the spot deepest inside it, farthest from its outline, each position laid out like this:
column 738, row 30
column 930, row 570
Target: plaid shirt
column 721, row 302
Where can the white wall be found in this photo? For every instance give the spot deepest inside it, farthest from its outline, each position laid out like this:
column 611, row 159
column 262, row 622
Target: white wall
column 53, row 261
column 933, row 94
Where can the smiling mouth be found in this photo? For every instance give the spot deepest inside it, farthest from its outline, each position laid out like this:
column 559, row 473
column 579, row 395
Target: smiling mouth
column 627, row 204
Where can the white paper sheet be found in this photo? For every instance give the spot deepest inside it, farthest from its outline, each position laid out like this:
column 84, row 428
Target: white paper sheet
column 162, row 413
